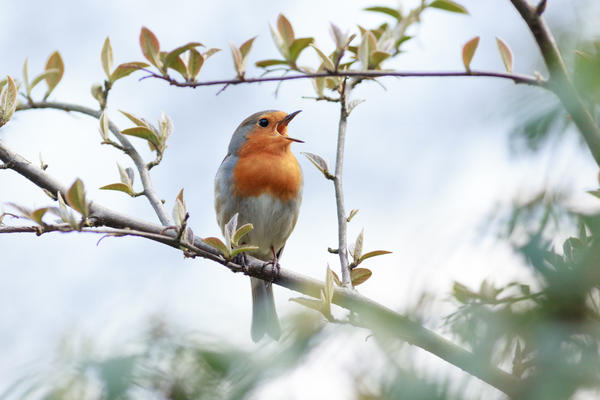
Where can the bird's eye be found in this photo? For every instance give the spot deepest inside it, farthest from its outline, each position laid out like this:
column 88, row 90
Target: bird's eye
column 263, row 122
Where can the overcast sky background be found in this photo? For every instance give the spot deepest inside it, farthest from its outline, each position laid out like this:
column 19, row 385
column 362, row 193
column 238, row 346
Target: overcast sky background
column 427, row 161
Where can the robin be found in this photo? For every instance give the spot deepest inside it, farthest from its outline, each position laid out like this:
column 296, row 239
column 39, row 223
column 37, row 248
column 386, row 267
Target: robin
column 261, row 180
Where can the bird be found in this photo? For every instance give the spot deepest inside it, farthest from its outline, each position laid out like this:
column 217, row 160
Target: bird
column 260, row 179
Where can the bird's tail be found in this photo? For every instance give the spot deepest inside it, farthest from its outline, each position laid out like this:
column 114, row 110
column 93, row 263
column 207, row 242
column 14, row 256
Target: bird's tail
column 264, row 315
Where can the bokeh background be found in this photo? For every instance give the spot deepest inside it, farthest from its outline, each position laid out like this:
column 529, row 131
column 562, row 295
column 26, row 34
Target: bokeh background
column 429, row 163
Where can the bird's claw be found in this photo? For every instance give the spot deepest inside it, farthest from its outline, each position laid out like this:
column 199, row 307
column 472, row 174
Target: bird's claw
column 242, row 260
column 276, row 268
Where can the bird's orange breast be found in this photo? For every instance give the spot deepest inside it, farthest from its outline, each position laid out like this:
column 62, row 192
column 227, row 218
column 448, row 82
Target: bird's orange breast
column 267, row 166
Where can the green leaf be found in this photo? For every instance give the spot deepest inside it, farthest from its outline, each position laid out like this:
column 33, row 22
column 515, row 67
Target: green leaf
column 285, row 30
column 106, row 56
column 217, row 244
column 327, row 63
column 595, row 193
column 241, row 232
column 279, row 43
column 37, row 215
column 468, row 52
column 298, row 45
column 65, row 214
column 150, row 47
column 120, row 187
column 386, row 10
column 176, row 64
column 104, row 126
column 373, row 253
column 124, row 176
column 42, row 76
column 336, row 278
column 360, row 275
column 173, row 55
column 268, row 63
column 242, row 249
column 134, row 119
column 377, row 57
column 449, row 5
column 76, row 198
column 144, row 133
column 195, row 61
column 246, row 47
column 126, row 69
column 54, row 62
column 505, row 54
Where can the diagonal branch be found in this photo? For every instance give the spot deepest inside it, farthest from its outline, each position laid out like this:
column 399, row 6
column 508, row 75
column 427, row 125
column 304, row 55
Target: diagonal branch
column 373, row 315
column 560, row 81
column 128, row 148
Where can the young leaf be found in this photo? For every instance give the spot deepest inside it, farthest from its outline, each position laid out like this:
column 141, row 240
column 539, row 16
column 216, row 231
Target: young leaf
column 37, row 215
column 106, row 56
column 269, row 63
column 329, row 289
column 336, row 278
column 358, row 247
column 144, row 133
column 76, row 198
column 150, row 47
column 124, row 176
column 353, row 103
column 194, row 64
column 505, row 54
column 353, row 212
column 310, row 303
column 360, row 275
column 285, row 30
column 26, row 78
column 126, row 69
column 176, row 64
column 230, row 229
column 246, row 47
column 65, row 214
column 386, row 10
column 298, row 45
column 171, row 57
column 377, row 57
column 242, row 249
column 121, row 187
column 367, row 45
column 54, row 62
column 279, row 43
column 468, row 52
column 449, row 5
column 179, row 209
column 134, row 119
column 8, row 101
column 42, row 76
column 237, row 61
column 218, row 244
column 327, row 63
column 373, row 253
column 241, row 232
column 317, row 161
column 104, row 126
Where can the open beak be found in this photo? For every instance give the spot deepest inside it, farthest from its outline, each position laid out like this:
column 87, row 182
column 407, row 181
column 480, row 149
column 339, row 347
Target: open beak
column 283, row 123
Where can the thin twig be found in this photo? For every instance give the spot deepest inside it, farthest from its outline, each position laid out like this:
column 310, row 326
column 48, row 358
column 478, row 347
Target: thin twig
column 373, row 315
column 560, row 81
column 128, row 148
column 339, row 191
column 516, row 78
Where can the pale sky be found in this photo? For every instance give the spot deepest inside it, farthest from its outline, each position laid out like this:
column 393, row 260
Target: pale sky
column 427, row 161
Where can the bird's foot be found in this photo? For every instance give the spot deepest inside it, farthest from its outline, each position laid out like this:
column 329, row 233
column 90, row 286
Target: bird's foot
column 242, row 260
column 276, row 267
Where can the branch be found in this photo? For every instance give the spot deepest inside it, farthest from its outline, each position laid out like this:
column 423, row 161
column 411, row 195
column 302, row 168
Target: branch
column 560, row 81
column 516, row 78
column 339, row 192
column 374, row 316
column 128, row 148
